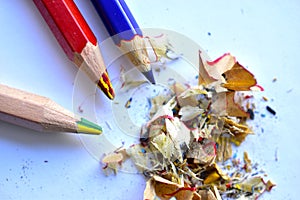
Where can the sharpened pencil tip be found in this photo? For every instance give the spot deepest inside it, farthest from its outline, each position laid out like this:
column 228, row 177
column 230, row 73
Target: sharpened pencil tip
column 88, row 127
column 105, row 85
column 149, row 76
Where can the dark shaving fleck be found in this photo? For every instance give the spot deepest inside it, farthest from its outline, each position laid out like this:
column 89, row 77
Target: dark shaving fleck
column 128, row 103
column 251, row 113
column 273, row 112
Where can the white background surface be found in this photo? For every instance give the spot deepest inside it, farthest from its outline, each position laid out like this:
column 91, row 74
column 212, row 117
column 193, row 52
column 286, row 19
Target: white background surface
column 263, row 35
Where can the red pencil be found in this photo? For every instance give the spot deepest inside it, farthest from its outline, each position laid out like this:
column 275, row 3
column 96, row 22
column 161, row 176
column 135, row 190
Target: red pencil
column 77, row 39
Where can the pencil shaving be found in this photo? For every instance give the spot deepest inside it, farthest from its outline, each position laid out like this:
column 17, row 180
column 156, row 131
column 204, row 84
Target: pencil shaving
column 186, row 147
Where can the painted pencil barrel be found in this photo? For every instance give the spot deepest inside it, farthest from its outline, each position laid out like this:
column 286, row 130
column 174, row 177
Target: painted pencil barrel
column 117, row 19
column 67, row 24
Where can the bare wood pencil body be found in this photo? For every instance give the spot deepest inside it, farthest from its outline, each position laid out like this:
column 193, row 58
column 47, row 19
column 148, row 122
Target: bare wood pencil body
column 40, row 113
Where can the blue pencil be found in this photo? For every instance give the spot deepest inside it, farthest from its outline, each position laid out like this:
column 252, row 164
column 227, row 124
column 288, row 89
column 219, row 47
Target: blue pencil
column 125, row 32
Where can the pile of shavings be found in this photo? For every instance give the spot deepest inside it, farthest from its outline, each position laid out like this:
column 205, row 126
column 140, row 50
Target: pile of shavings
column 185, row 149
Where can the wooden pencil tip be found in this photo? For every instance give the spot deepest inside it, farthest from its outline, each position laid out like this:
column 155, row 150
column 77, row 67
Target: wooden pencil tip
column 88, row 127
column 149, row 76
column 105, row 85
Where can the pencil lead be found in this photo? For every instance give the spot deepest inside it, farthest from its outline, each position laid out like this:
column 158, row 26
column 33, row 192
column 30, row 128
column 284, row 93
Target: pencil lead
column 105, row 85
column 149, row 76
column 88, row 127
